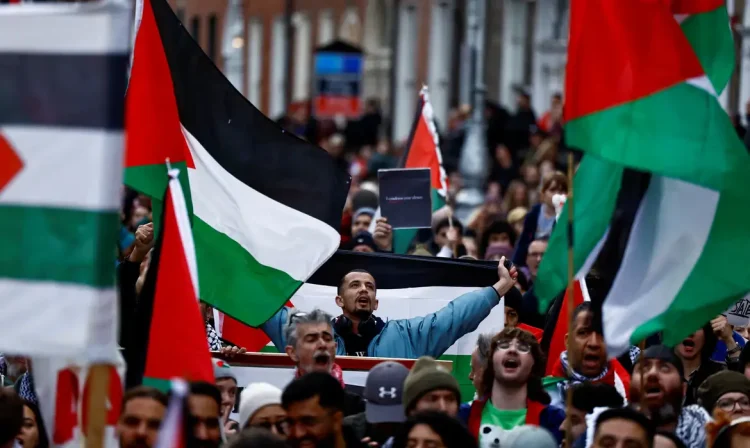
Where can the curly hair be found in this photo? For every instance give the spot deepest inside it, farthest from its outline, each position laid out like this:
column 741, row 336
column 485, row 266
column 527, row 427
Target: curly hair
column 534, row 384
column 719, row 432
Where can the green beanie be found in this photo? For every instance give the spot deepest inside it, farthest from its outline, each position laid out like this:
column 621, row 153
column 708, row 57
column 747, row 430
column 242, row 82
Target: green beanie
column 425, row 376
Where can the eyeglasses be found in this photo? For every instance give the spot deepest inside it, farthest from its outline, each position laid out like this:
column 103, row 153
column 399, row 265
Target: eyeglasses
column 728, row 404
column 522, row 347
column 282, row 426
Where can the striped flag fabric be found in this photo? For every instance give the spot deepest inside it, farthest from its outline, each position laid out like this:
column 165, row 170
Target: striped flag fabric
column 661, row 192
column 407, row 287
column 422, row 151
column 63, row 72
column 172, row 430
column 265, row 206
column 167, row 309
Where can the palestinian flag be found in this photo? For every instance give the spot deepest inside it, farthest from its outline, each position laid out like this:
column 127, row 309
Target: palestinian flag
column 554, row 339
column 423, row 151
column 264, row 204
column 410, row 286
column 172, row 432
column 63, row 71
column 170, row 340
column 661, row 193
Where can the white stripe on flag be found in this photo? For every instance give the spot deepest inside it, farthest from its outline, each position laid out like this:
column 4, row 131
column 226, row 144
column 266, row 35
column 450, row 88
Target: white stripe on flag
column 171, row 431
column 667, row 237
column 59, row 315
column 65, row 168
column 274, row 234
column 77, row 28
column 183, row 226
column 405, row 304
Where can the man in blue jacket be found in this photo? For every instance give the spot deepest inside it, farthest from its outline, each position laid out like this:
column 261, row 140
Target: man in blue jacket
column 358, row 332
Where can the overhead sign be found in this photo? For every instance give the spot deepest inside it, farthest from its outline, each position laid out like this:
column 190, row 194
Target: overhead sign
column 739, row 313
column 338, row 81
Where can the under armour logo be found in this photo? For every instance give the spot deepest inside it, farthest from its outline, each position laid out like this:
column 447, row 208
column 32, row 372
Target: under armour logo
column 391, row 393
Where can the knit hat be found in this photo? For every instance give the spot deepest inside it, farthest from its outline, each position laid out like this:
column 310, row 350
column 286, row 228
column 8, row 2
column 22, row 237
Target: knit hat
column 369, row 211
column 427, row 375
column 719, row 384
column 222, row 369
column 498, row 249
column 363, row 238
column 665, row 354
column 255, row 396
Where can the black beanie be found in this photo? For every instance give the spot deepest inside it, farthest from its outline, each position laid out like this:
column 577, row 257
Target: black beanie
column 666, row 354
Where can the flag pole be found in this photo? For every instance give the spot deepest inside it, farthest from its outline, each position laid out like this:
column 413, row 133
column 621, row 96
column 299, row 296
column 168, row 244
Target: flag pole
column 97, row 405
column 569, row 293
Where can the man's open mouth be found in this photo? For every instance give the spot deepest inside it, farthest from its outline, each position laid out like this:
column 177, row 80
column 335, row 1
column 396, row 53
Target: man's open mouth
column 321, row 358
column 511, row 363
column 652, row 391
column 688, row 343
column 590, row 359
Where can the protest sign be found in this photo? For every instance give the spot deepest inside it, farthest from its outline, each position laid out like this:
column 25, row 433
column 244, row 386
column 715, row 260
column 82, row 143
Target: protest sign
column 739, row 313
column 405, row 197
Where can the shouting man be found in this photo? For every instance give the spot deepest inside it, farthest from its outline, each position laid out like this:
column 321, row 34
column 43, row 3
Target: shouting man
column 360, row 333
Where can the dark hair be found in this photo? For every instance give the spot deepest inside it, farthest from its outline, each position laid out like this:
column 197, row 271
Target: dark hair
column 596, row 318
column 555, row 177
column 143, row 392
column 43, row 440
column 446, row 222
column 256, row 438
column 587, row 396
column 11, row 415
column 451, row 431
column 671, row 436
column 341, row 282
column 534, row 384
column 710, row 341
column 316, row 384
column 496, row 227
column 207, row 390
column 628, row 414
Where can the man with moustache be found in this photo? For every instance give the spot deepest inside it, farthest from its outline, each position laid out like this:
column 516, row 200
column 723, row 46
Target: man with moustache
column 358, row 332
column 587, row 355
column 204, row 415
column 512, row 393
column 311, row 344
column 657, row 389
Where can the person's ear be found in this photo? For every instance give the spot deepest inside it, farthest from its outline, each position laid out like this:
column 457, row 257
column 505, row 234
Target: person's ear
column 339, row 301
column 566, row 341
column 292, row 353
column 375, row 305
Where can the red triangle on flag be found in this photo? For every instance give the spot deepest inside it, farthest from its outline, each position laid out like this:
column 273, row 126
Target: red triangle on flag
column 557, row 344
column 10, row 163
column 177, row 345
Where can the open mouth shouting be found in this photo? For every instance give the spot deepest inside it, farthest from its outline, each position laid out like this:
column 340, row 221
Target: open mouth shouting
column 652, row 392
column 363, row 300
column 511, row 364
column 591, row 360
column 321, row 358
column 688, row 346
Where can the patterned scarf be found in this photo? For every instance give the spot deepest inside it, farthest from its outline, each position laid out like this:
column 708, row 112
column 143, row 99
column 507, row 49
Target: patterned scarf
column 691, row 426
column 336, row 372
column 613, row 374
column 214, row 342
column 25, row 388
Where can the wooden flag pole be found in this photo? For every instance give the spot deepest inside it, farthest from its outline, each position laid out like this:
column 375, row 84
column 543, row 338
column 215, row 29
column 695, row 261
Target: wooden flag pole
column 569, row 293
column 97, row 405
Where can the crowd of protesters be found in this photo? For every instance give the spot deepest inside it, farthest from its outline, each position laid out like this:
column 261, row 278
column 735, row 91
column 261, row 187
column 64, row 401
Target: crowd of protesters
column 696, row 394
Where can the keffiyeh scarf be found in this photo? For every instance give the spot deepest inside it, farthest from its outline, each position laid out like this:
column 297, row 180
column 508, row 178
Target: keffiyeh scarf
column 336, row 372
column 214, row 342
column 691, row 426
column 613, row 374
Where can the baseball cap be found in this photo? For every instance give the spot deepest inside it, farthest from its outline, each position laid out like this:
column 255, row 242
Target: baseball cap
column 363, row 238
column 384, row 388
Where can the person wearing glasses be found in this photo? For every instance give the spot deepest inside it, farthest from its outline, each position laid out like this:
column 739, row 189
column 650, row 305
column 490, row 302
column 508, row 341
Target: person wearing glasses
column 728, row 391
column 513, row 394
column 260, row 407
column 358, row 332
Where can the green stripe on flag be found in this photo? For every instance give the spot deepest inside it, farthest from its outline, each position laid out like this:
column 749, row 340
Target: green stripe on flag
column 235, row 282
column 58, row 245
column 717, row 280
column 711, row 38
column 648, row 135
column 595, row 187
column 158, row 383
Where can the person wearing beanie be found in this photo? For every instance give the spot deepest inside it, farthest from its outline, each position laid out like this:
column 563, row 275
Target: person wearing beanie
column 430, row 387
column 226, row 382
column 728, row 391
column 657, row 384
column 363, row 241
column 513, row 394
column 260, row 406
column 361, row 219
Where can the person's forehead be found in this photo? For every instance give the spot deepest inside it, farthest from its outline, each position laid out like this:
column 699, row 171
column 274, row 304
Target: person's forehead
column 359, row 277
column 311, row 406
column 621, row 426
column 584, row 319
column 363, row 217
column 226, row 382
column 539, row 245
column 142, row 405
column 203, row 405
column 313, row 328
column 732, row 395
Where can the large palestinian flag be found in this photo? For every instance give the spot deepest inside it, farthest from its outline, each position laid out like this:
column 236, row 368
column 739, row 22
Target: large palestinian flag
column 265, row 204
column 167, row 309
column 422, row 151
column 661, row 201
column 63, row 70
column 411, row 286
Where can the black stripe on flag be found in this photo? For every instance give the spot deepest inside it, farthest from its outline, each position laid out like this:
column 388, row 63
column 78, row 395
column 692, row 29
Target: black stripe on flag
column 83, row 91
column 407, row 271
column 246, row 143
column 412, row 132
